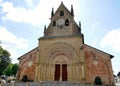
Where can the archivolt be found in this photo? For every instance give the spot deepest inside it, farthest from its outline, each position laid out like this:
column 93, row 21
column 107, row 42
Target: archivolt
column 60, row 49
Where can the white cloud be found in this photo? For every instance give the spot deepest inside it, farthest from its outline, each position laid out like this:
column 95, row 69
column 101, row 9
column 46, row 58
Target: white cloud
column 8, row 37
column 29, row 2
column 94, row 42
column 35, row 16
column 95, row 26
column 112, row 39
column 1, row 1
column 11, row 42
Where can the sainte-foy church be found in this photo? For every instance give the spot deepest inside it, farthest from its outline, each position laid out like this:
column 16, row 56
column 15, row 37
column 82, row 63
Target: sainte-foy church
column 62, row 55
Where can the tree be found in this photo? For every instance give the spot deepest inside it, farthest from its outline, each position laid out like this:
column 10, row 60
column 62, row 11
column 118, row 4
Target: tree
column 14, row 69
column 11, row 70
column 8, row 70
column 4, row 59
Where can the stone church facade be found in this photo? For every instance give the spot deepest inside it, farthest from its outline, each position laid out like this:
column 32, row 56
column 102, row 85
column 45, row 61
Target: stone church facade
column 62, row 55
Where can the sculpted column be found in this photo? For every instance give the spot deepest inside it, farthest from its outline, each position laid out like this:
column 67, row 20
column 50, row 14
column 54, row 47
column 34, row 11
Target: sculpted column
column 82, row 61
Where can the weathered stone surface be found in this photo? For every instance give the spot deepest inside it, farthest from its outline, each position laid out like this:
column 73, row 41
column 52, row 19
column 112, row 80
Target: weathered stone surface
column 97, row 64
column 63, row 56
column 27, row 65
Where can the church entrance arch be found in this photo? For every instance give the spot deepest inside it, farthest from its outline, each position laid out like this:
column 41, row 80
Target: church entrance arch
column 60, row 56
column 60, row 68
column 60, row 72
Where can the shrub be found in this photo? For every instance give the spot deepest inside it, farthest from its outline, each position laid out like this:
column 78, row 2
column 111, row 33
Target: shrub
column 98, row 80
column 24, row 78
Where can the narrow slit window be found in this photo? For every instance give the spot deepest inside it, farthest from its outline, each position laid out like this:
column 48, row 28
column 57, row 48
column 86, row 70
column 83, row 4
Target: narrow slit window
column 61, row 13
column 54, row 23
column 66, row 22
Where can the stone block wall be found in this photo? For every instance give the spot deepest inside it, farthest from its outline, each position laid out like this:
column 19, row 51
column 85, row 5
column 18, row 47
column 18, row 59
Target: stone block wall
column 27, row 65
column 99, row 64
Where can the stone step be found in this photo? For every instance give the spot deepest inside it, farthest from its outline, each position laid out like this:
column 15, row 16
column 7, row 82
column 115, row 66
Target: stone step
column 48, row 84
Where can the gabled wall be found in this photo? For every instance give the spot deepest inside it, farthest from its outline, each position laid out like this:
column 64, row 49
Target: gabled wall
column 27, row 65
column 99, row 64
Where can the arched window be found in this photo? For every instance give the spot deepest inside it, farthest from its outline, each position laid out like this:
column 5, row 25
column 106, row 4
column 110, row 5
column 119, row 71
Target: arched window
column 66, row 22
column 61, row 13
column 54, row 23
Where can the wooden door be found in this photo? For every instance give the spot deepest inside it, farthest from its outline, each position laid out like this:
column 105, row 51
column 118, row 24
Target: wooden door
column 57, row 72
column 64, row 72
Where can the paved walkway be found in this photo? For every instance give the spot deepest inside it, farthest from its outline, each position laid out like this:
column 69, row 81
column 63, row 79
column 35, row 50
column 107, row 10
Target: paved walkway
column 48, row 84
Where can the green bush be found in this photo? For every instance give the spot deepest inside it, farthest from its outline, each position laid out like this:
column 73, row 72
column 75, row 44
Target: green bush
column 98, row 80
column 24, row 78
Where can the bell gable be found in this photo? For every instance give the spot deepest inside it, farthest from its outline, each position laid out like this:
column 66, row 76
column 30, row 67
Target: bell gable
column 62, row 23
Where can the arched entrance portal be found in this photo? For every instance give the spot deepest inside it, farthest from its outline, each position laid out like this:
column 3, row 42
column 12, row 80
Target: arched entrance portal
column 60, row 72
column 58, row 63
column 60, row 68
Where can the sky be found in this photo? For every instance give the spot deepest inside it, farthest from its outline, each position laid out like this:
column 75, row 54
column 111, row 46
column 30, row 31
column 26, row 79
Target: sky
column 22, row 23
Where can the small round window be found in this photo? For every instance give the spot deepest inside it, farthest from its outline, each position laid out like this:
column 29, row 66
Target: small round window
column 61, row 13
